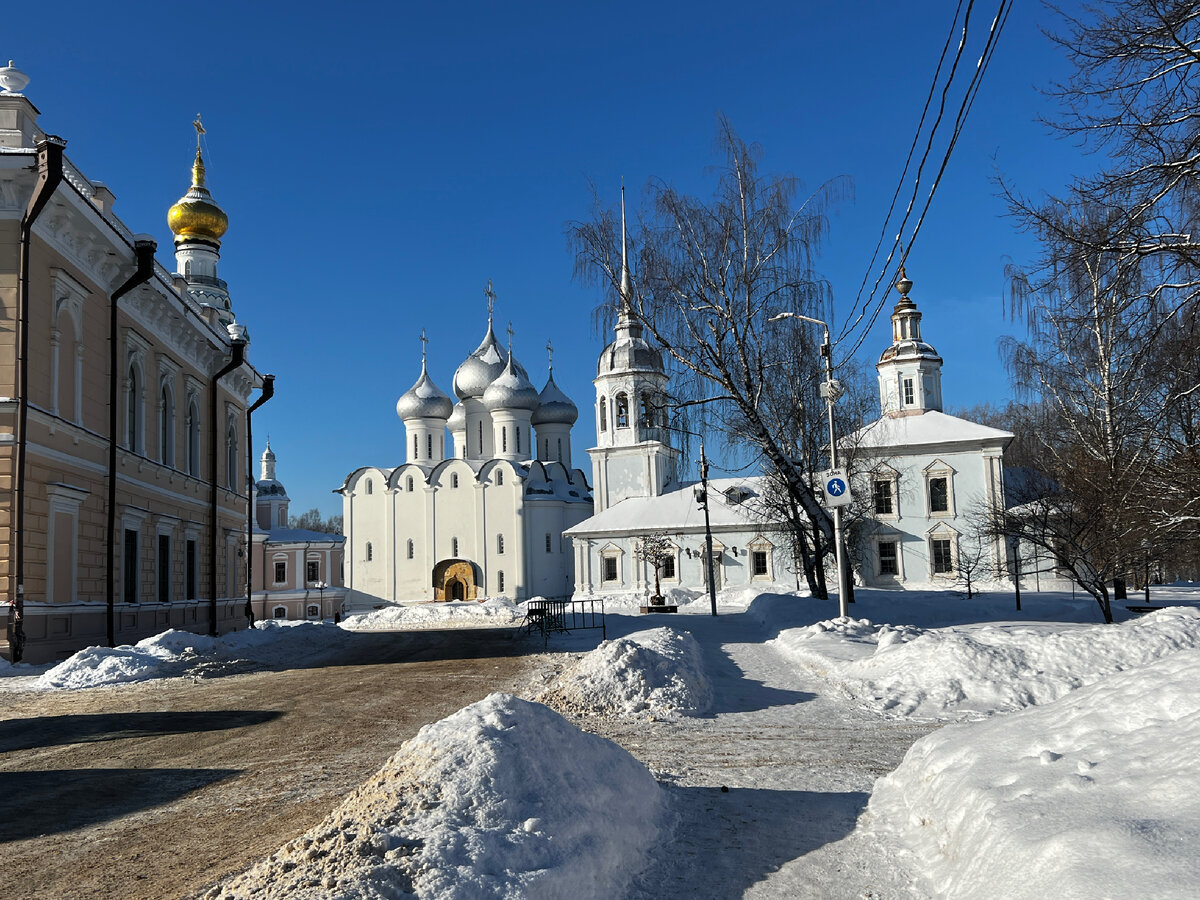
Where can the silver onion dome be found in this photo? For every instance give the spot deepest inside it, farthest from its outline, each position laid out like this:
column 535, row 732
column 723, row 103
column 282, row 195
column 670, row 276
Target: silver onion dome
column 629, row 352
column 458, row 418
column 554, row 407
column 424, row 400
column 482, row 367
column 511, row 390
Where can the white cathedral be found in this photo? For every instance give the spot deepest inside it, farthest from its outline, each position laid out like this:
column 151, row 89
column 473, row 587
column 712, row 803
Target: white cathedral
column 486, row 519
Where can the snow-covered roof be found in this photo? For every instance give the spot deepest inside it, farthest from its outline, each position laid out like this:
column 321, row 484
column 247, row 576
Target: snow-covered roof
column 676, row 511
column 931, row 427
column 303, row 536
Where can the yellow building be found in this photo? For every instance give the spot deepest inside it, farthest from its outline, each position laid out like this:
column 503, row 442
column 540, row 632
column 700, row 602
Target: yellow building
column 123, row 409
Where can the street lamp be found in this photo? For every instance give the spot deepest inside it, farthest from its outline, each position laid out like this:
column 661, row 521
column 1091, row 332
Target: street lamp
column 320, row 586
column 701, row 494
column 829, row 390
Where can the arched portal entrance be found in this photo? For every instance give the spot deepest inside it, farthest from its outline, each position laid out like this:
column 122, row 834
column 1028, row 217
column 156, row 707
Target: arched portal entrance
column 454, row 579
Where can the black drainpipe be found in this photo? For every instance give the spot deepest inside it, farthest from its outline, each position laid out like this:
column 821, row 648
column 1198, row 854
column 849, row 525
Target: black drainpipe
column 144, row 247
column 50, row 175
column 237, row 349
column 268, row 391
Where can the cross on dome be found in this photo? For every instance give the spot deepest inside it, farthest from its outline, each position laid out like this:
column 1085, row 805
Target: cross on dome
column 199, row 126
column 491, row 299
column 550, row 354
column 424, row 345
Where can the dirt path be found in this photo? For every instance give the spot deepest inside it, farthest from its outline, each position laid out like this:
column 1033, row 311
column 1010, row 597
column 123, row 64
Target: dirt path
column 158, row 790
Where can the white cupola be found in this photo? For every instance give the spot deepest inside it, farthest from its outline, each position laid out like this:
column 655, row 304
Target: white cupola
column 510, row 400
column 424, row 410
column 910, row 370
column 552, row 420
column 271, row 499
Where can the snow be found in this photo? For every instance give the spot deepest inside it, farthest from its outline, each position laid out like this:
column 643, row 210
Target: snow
column 494, row 612
column 931, row 427
column 502, row 799
column 659, row 671
column 675, row 510
column 929, row 746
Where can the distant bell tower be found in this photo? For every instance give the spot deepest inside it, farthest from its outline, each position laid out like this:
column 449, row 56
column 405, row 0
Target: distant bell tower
column 910, row 371
column 633, row 456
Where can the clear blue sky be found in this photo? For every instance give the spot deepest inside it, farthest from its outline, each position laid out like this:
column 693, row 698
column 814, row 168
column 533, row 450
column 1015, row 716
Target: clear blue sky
column 380, row 162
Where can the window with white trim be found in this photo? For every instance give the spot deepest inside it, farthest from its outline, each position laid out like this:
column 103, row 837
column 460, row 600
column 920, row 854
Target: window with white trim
column 193, row 438
column 604, row 414
column 941, row 553
column 884, row 500
column 312, row 571
column 279, row 612
column 939, row 490
column 889, row 557
column 166, row 426
column 280, row 571
column 622, row 415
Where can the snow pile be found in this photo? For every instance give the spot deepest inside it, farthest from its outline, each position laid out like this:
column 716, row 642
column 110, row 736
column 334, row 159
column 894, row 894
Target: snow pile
column 981, row 669
column 1096, row 795
column 658, row 671
column 494, row 612
column 504, row 798
column 174, row 653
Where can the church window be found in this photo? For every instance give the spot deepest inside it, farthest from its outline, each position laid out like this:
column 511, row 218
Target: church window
column 416, row 450
column 909, row 397
column 560, row 456
column 454, row 547
column 610, row 568
column 647, row 411
column 943, row 558
column 370, row 552
column 603, row 414
column 283, row 517
column 500, row 544
column 193, row 439
column 939, row 497
column 622, row 411
column 409, row 484
column 280, row 571
column 499, row 476
column 166, row 427
column 481, row 437
column 312, row 570
column 503, row 438
column 370, row 487
column 883, row 497
column 429, row 446
column 279, row 612
column 889, row 563
column 453, row 479
column 314, row 611
column 409, row 549
column 549, row 542
column 499, row 581
column 666, row 568
column 518, row 430
column 758, row 563
column 231, row 455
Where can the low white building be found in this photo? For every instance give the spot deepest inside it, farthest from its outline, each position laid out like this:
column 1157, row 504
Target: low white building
column 928, row 475
column 486, row 519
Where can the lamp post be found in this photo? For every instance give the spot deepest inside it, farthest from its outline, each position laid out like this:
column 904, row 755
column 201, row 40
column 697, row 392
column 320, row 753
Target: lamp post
column 320, row 586
column 829, row 390
column 701, row 495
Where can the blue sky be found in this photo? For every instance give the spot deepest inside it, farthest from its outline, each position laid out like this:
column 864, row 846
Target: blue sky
column 379, row 163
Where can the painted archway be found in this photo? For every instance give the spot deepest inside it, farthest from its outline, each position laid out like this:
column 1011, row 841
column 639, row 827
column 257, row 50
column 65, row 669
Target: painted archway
column 454, row 579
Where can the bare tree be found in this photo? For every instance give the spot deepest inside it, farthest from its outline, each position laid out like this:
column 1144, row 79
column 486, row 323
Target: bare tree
column 708, row 276
column 655, row 549
column 313, row 521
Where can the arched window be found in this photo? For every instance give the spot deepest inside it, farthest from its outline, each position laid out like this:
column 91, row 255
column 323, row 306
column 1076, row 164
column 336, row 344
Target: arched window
column 648, row 417
column 409, row 484
column 370, row 552
column 132, row 418
column 231, row 455
column 603, row 414
column 518, row 438
column 500, row 581
column 503, row 438
column 280, row 612
column 453, row 479
column 622, row 411
column 481, row 437
column 193, row 439
column 429, row 446
column 499, row 476
column 370, row 487
column 454, row 547
column 409, row 548
column 500, row 544
column 416, row 452
column 166, row 427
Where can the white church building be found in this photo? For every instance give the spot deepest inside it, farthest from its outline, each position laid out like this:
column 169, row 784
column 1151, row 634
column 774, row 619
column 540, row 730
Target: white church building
column 927, row 474
column 484, row 517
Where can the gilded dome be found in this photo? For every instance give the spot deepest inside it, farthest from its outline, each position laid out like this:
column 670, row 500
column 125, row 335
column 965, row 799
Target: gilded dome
column 197, row 215
column 424, row 400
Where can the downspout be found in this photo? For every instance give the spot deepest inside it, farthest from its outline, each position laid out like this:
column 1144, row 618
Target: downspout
column 144, row 247
column 50, row 175
column 237, row 349
column 268, row 391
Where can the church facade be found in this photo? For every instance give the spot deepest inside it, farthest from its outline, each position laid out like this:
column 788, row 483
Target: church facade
column 926, row 475
column 123, row 491
column 482, row 516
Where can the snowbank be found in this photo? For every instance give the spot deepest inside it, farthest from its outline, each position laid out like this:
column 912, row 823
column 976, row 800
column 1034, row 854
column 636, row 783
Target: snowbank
column 981, row 669
column 504, row 798
column 658, row 671
column 495, row 612
column 174, row 653
column 1096, row 795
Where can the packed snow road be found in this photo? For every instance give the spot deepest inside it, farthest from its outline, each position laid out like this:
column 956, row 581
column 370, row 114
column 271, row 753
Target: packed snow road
column 157, row 789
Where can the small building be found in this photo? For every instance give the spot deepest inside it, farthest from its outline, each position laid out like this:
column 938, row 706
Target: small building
column 297, row 573
column 928, row 475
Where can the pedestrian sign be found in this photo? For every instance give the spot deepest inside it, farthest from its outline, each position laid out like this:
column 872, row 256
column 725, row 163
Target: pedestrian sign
column 837, row 487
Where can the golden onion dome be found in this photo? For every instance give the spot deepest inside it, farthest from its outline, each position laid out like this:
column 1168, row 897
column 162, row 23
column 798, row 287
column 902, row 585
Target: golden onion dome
column 197, row 215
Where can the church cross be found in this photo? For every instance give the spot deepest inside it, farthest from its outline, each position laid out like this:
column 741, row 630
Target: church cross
column 199, row 126
column 510, row 337
column 550, row 354
column 424, row 344
column 491, row 298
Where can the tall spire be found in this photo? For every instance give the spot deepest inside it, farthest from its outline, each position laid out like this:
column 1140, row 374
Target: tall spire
column 626, row 283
